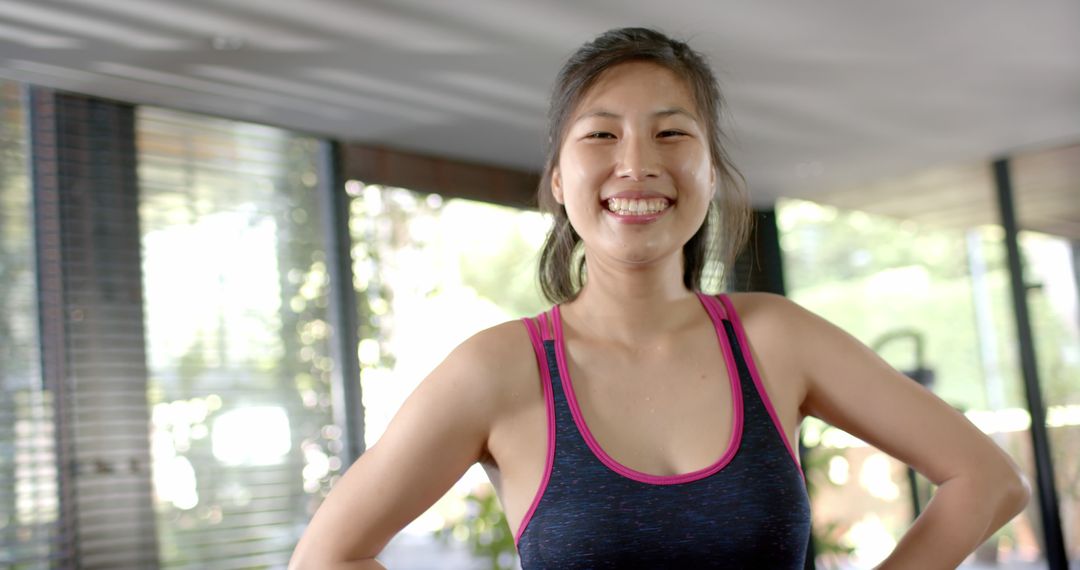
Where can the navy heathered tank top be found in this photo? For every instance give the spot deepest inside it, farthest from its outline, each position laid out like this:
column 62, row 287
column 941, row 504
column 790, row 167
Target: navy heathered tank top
column 748, row 510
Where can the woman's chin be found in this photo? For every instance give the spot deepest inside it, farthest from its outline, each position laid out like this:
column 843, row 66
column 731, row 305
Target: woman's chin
column 646, row 257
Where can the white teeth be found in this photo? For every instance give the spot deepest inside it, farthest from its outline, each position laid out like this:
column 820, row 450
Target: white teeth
column 627, row 207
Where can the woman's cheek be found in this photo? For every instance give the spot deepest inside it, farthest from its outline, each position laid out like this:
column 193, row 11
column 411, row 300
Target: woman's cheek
column 595, row 156
column 694, row 166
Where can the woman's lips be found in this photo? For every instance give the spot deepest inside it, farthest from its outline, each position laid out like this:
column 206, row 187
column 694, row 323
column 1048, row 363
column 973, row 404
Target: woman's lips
column 637, row 218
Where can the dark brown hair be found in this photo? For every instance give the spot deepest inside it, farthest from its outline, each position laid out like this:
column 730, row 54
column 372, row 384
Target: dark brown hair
column 562, row 264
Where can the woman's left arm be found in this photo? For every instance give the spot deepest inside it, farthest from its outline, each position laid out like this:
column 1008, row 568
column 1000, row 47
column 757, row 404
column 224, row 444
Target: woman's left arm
column 847, row 385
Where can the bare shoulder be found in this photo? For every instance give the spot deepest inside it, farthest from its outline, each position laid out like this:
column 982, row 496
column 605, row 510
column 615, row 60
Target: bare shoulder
column 758, row 306
column 829, row 361
column 769, row 319
column 773, row 316
column 507, row 336
column 501, row 360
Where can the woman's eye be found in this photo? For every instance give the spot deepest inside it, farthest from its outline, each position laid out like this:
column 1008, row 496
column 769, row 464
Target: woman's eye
column 670, row 133
column 599, row 135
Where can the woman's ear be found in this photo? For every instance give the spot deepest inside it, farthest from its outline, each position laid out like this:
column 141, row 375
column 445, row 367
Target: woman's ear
column 556, row 185
column 712, row 182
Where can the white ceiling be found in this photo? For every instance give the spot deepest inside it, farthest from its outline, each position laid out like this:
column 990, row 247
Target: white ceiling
column 824, row 95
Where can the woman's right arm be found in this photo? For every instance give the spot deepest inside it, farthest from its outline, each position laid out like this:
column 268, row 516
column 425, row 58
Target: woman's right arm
column 439, row 432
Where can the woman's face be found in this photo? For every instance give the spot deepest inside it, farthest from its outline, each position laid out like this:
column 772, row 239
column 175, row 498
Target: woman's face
column 634, row 169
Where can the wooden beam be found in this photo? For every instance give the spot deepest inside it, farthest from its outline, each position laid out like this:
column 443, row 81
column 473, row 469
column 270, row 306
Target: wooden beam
column 447, row 177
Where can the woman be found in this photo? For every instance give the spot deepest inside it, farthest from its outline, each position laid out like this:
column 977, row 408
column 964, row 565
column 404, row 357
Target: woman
column 601, row 422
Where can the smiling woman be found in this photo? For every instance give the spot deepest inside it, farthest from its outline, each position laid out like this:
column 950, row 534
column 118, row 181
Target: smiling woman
column 642, row 422
column 634, row 154
column 687, row 114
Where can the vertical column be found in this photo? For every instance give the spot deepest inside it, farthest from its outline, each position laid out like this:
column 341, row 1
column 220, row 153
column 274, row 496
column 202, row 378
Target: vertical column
column 1074, row 247
column 1054, row 541
column 44, row 167
column 93, row 347
column 348, row 404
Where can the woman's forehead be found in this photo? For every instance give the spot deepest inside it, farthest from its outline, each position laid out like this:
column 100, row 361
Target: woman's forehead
column 638, row 87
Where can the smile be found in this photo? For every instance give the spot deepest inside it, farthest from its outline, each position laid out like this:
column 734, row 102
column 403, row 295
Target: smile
column 637, row 207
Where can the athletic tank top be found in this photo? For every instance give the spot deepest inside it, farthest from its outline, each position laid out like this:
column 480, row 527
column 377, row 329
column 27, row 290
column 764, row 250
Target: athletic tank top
column 748, row 510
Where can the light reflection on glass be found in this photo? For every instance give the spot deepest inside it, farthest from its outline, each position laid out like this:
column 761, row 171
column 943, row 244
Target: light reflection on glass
column 174, row 482
column 256, row 435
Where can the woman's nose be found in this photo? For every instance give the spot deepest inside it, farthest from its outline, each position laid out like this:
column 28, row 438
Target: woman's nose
column 637, row 159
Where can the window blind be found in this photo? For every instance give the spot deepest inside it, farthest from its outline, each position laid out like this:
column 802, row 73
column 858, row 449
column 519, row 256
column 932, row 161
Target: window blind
column 244, row 443
column 91, row 326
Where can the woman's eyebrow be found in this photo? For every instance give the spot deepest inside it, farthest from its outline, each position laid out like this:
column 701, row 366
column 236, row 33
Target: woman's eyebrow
column 675, row 111
column 666, row 112
column 598, row 113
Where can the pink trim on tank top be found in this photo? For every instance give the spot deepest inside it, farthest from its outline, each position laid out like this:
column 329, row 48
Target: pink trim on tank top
column 549, row 399
column 744, row 345
column 610, row 462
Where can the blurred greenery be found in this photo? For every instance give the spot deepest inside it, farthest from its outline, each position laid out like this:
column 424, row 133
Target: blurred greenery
column 827, row 538
column 389, row 225
column 870, row 274
column 484, row 529
column 512, row 284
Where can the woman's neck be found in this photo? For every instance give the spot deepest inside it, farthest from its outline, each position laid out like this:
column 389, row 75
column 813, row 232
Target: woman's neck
column 632, row 305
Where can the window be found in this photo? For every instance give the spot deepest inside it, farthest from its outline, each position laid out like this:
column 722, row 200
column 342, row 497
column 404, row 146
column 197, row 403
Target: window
column 949, row 289
column 243, row 441
column 429, row 273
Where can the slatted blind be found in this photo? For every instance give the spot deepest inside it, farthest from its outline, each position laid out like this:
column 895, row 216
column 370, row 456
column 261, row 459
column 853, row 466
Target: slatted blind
column 91, row 315
column 236, row 283
column 31, row 535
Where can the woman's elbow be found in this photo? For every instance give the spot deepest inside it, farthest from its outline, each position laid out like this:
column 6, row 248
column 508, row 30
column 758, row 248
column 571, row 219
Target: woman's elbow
column 1007, row 489
column 1016, row 494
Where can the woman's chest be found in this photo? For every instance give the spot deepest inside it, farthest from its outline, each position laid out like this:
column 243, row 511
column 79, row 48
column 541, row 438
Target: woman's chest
column 657, row 418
